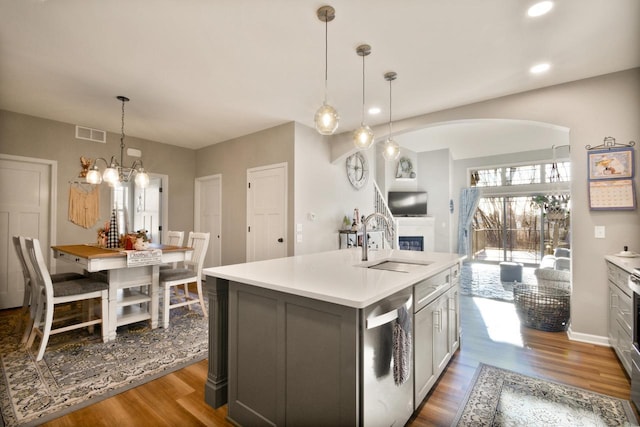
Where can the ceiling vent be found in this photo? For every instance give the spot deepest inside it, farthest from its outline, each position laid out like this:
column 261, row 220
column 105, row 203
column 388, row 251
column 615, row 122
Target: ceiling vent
column 95, row 135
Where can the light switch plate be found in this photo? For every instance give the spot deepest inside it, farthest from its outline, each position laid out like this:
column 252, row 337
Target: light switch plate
column 599, row 232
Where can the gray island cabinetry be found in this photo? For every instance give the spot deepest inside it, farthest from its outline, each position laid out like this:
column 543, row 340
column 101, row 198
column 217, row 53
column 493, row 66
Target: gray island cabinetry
column 315, row 339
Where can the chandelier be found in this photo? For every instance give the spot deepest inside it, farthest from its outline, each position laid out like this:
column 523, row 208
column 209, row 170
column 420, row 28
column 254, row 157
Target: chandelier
column 115, row 171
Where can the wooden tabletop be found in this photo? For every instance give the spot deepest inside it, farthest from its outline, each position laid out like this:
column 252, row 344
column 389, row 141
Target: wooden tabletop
column 93, row 251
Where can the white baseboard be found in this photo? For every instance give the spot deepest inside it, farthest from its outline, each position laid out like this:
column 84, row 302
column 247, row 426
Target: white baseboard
column 588, row 338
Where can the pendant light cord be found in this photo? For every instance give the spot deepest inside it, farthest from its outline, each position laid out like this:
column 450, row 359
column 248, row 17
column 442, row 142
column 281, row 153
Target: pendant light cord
column 122, row 135
column 390, row 104
column 363, row 90
column 326, row 52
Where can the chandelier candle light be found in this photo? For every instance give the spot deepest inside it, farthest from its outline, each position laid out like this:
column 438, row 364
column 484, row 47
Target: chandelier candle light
column 115, row 172
column 326, row 118
column 391, row 148
column 363, row 136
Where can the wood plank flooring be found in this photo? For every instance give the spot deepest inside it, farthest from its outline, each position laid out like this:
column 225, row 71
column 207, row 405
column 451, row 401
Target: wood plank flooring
column 491, row 334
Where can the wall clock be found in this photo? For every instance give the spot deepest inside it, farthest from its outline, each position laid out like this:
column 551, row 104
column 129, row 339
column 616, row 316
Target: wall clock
column 357, row 170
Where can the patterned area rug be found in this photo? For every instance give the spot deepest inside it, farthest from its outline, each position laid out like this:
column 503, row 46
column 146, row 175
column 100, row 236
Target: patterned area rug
column 483, row 280
column 504, row 398
column 78, row 369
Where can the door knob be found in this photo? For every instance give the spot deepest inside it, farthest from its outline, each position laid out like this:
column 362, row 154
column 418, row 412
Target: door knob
column 280, row 240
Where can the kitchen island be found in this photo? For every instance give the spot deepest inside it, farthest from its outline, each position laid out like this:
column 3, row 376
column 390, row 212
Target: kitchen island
column 310, row 340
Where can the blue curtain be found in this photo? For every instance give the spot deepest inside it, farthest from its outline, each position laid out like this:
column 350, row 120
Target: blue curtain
column 469, row 199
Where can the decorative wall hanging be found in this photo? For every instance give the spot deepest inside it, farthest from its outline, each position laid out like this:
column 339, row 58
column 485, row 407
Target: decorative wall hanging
column 405, row 169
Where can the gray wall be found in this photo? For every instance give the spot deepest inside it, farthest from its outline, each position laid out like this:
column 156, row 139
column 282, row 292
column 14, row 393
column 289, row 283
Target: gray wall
column 323, row 194
column 435, row 175
column 231, row 159
column 29, row 136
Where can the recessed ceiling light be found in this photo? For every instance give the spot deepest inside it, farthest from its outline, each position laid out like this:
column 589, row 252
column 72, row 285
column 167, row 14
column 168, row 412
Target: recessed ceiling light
column 374, row 110
column 540, row 68
column 540, row 8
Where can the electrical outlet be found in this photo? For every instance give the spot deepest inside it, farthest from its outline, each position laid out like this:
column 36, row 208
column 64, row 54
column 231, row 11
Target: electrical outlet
column 599, row 232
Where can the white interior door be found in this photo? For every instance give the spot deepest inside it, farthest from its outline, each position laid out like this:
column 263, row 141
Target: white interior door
column 208, row 215
column 147, row 210
column 25, row 210
column 267, row 212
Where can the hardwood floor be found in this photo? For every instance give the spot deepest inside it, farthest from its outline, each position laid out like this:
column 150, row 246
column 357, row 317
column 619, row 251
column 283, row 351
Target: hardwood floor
column 491, row 335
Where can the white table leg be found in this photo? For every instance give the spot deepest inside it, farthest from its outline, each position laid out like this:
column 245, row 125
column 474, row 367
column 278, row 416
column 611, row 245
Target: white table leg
column 155, row 300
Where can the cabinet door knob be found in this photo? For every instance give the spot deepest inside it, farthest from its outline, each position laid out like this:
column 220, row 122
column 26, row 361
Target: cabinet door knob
column 280, row 240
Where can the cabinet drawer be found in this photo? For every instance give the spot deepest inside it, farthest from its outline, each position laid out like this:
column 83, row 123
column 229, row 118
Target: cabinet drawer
column 429, row 289
column 455, row 274
column 622, row 346
column 83, row 262
column 619, row 277
column 623, row 313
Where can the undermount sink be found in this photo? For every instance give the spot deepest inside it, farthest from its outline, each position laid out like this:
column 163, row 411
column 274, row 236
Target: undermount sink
column 399, row 266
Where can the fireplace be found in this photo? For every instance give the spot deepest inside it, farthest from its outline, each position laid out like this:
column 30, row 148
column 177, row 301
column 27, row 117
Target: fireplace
column 415, row 228
column 411, row 243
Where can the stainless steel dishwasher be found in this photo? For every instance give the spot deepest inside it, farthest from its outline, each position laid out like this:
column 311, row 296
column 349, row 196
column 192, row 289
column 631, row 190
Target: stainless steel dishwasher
column 383, row 402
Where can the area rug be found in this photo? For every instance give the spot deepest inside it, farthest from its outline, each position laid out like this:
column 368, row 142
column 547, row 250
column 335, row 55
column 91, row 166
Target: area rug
column 483, row 280
column 499, row 397
column 78, row 372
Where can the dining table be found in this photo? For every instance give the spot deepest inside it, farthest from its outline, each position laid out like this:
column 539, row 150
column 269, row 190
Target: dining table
column 133, row 278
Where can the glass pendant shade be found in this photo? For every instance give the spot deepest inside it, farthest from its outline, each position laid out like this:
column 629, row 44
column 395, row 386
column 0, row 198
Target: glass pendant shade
column 391, row 150
column 111, row 175
column 93, row 176
column 363, row 137
column 142, row 178
column 326, row 119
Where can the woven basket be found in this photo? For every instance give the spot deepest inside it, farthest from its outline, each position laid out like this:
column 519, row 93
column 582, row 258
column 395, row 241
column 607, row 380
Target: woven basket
column 542, row 308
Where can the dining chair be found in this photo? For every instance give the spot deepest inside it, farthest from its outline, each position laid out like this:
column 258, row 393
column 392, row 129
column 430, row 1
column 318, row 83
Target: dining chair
column 28, row 303
column 48, row 295
column 191, row 273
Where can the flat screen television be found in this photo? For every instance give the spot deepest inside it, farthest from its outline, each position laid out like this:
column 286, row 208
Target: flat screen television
column 407, row 203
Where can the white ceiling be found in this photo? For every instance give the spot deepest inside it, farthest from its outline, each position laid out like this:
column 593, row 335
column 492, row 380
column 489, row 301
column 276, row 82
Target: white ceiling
column 199, row 72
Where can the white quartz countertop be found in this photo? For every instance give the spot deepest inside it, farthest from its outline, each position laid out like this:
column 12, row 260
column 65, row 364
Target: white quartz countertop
column 626, row 263
column 339, row 276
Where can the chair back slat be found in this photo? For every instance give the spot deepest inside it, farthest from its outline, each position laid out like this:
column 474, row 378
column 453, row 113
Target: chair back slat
column 175, row 238
column 20, row 251
column 40, row 278
column 200, row 243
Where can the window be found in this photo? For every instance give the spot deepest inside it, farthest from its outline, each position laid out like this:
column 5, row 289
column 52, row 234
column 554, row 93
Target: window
column 539, row 173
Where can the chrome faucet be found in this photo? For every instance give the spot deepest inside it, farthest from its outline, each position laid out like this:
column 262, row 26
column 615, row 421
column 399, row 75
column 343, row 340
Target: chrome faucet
column 365, row 255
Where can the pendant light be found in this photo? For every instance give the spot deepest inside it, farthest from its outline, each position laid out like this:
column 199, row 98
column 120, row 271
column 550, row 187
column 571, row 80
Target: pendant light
column 363, row 136
column 326, row 118
column 391, row 148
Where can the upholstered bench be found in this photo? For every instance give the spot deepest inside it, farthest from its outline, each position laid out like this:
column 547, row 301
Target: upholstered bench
column 510, row 272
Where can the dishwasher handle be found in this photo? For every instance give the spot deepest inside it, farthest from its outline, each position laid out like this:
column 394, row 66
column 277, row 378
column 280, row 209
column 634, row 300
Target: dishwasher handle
column 389, row 316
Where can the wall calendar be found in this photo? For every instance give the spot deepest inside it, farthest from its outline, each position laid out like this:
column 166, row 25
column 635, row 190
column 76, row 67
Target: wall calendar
column 613, row 194
column 611, row 177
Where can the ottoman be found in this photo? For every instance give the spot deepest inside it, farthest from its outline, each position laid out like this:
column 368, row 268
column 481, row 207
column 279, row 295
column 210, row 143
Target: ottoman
column 510, row 272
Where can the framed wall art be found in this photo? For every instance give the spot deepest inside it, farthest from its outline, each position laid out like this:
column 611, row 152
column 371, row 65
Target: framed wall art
column 613, row 163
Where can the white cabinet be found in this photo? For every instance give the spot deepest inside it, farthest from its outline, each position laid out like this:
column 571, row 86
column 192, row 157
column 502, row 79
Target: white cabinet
column 436, row 329
column 454, row 310
column 620, row 317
